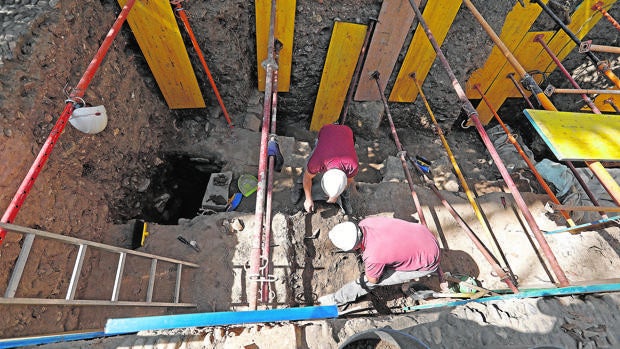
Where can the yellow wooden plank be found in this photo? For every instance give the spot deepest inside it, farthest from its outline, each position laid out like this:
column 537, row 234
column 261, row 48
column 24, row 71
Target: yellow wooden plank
column 578, row 136
column 157, row 33
column 517, row 24
column 283, row 32
column 387, row 41
column 420, row 54
column 345, row 46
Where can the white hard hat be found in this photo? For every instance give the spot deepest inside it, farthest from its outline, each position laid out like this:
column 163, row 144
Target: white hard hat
column 345, row 236
column 334, row 182
column 89, row 120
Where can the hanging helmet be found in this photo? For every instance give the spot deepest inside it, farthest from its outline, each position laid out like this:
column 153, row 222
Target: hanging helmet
column 345, row 236
column 334, row 182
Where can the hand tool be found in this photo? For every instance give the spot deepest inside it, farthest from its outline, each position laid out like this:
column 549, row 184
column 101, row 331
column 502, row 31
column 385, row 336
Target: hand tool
column 193, row 244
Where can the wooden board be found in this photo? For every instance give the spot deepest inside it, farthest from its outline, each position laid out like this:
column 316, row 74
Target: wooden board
column 157, row 33
column 283, row 32
column 517, row 24
column 387, row 41
column 344, row 48
column 421, row 54
column 578, row 136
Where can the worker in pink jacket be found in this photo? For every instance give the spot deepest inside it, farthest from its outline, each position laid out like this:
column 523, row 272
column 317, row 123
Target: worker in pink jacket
column 333, row 157
column 394, row 252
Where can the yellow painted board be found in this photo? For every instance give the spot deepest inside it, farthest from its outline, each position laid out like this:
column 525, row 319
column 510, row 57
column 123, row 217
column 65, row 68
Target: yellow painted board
column 518, row 22
column 283, row 32
column 578, row 136
column 344, row 49
column 158, row 35
column 420, row 55
column 387, row 41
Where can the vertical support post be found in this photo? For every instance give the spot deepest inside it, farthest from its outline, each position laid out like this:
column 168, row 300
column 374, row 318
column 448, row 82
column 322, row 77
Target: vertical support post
column 255, row 259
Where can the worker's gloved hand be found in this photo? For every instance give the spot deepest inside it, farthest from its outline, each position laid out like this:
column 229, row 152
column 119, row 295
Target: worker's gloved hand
column 309, row 205
column 273, row 149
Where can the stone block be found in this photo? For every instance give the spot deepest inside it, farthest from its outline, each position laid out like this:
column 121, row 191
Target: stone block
column 393, row 170
column 252, row 122
column 216, row 195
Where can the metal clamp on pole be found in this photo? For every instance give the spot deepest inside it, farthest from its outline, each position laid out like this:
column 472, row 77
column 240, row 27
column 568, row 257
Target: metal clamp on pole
column 585, row 46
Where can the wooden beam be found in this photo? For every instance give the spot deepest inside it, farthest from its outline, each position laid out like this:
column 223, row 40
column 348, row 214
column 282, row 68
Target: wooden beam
column 158, row 35
column 387, row 41
column 420, row 56
column 344, row 49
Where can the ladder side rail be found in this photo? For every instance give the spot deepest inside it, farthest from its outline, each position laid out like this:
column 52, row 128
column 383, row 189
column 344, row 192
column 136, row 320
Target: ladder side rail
column 89, row 302
column 76, row 241
column 77, row 269
column 149, row 292
column 18, row 270
column 122, row 257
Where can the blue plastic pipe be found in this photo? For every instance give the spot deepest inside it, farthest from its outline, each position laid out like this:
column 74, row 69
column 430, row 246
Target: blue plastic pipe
column 132, row 325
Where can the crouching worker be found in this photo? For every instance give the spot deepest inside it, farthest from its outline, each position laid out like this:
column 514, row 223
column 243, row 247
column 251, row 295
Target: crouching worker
column 335, row 158
column 394, row 251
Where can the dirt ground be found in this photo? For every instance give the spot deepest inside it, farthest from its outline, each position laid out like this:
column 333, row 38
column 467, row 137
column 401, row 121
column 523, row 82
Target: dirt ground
column 93, row 185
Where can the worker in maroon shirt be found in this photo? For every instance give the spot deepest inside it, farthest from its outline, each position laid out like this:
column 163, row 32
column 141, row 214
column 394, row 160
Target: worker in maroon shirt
column 394, row 252
column 333, row 157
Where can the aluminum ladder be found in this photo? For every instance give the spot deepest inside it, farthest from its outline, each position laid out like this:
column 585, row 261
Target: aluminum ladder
column 29, row 236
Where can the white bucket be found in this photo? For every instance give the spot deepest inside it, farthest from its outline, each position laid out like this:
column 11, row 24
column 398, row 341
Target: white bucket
column 89, row 120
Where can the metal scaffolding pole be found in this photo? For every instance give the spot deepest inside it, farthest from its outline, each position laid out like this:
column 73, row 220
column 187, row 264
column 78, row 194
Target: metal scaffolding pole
column 256, row 255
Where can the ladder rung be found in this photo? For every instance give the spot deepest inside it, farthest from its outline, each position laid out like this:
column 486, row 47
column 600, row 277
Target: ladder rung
column 119, row 276
column 19, row 266
column 77, row 269
column 177, row 287
column 149, row 292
